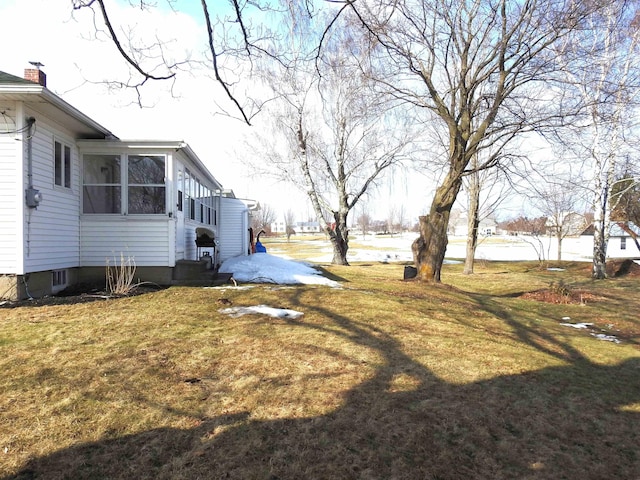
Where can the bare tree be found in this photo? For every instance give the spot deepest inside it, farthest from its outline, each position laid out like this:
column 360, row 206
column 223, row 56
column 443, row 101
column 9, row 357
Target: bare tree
column 233, row 44
column 364, row 219
column 262, row 219
column 626, row 211
column 561, row 202
column 333, row 135
column 477, row 68
column 606, row 81
column 289, row 223
column 485, row 193
column 401, row 217
column 473, row 217
column 392, row 215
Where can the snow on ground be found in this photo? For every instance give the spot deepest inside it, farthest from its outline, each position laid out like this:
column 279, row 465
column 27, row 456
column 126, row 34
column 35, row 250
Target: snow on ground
column 499, row 248
column 267, row 268
column 262, row 309
column 599, row 336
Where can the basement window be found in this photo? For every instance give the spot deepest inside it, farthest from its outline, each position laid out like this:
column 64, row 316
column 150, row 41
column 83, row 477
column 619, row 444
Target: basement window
column 58, row 280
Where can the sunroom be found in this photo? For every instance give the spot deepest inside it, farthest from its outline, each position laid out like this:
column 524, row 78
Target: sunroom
column 145, row 200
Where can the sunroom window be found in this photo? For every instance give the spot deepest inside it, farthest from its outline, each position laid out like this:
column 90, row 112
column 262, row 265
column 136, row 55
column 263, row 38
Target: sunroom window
column 118, row 184
column 146, row 189
column 101, row 190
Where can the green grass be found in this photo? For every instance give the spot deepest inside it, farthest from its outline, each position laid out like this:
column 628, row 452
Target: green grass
column 382, row 378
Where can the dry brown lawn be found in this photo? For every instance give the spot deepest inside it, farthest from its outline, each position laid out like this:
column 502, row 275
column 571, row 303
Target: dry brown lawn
column 381, row 379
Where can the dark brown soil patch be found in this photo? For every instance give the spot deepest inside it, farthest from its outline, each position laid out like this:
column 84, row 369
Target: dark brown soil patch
column 620, row 268
column 571, row 297
column 81, row 293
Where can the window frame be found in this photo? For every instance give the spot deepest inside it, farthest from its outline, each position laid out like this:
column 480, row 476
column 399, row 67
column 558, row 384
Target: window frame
column 59, row 280
column 124, row 184
column 62, row 163
column 149, row 185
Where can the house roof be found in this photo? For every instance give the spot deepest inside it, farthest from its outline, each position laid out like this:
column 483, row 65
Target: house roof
column 41, row 99
column 9, row 79
column 615, row 230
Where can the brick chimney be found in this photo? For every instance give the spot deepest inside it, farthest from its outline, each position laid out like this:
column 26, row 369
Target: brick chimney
column 35, row 75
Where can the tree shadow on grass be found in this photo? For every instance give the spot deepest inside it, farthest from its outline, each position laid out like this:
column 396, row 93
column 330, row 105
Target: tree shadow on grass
column 566, row 422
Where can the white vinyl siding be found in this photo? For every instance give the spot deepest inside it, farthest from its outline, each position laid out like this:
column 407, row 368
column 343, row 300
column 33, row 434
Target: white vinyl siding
column 10, row 195
column 149, row 241
column 51, row 231
column 190, row 249
column 234, row 228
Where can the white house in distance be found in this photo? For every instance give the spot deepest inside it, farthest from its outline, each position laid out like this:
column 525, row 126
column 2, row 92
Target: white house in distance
column 298, row 227
column 73, row 195
column 487, row 226
column 621, row 243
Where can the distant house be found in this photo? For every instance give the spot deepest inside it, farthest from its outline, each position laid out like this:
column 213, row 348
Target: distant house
column 487, row 226
column 566, row 223
column 621, row 243
column 299, row 227
column 73, row 195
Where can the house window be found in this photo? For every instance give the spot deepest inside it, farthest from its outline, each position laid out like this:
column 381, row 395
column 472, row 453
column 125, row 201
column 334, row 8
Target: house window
column 187, row 194
column 102, row 190
column 623, row 243
column 180, row 187
column 146, row 184
column 132, row 185
column 62, row 164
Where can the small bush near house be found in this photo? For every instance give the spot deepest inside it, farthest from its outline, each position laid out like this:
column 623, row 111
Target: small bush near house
column 120, row 275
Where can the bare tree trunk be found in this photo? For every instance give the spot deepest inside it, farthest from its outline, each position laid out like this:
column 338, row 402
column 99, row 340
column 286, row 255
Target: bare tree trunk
column 602, row 217
column 430, row 247
column 599, row 270
column 559, row 236
column 339, row 237
column 473, row 221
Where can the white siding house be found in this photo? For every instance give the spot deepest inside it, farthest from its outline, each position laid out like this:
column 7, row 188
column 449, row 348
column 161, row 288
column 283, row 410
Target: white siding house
column 73, row 196
column 234, row 241
column 621, row 244
column 487, row 226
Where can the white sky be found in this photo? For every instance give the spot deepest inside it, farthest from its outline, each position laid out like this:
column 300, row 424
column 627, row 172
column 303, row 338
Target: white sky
column 75, row 63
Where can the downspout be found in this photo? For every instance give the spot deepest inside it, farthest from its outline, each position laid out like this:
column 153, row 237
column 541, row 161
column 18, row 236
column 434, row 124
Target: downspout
column 218, row 221
column 30, row 122
column 33, row 197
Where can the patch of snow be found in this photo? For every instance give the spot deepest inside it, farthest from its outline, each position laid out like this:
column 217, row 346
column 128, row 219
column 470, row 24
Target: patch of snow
column 555, row 269
column 267, row 268
column 577, row 325
column 599, row 336
column 263, row 310
column 607, row 338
